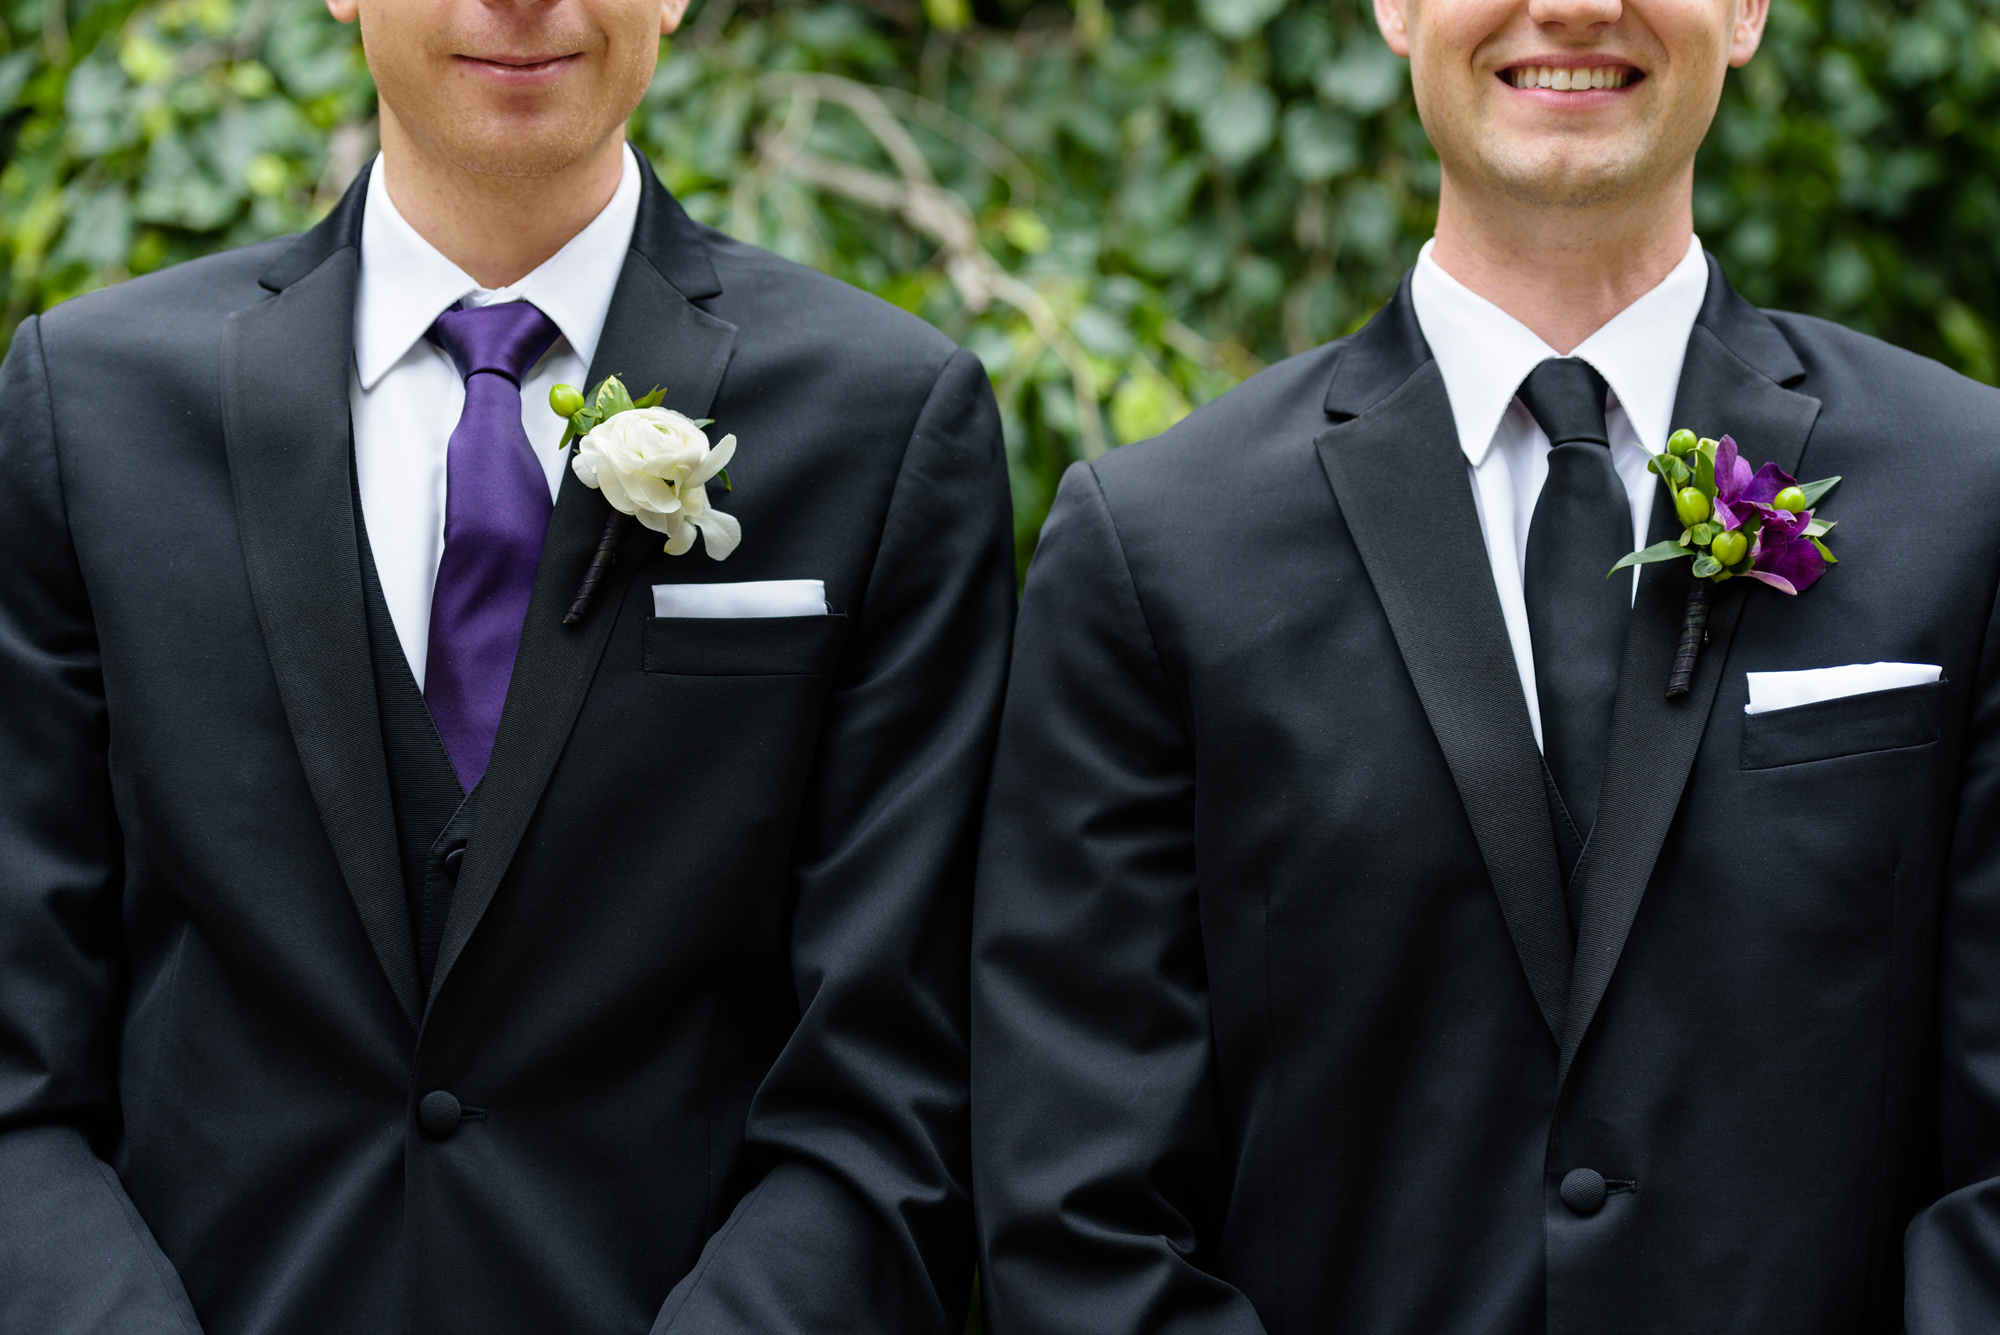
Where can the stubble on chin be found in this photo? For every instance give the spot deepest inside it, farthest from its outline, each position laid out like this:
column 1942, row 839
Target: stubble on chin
column 481, row 148
column 1566, row 179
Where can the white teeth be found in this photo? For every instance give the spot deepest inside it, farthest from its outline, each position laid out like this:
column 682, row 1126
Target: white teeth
column 1563, row 78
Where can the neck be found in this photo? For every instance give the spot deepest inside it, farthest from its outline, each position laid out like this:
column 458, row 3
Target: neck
column 1562, row 273
column 498, row 229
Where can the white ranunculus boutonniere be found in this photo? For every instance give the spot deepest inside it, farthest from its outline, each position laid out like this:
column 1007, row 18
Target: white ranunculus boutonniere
column 651, row 464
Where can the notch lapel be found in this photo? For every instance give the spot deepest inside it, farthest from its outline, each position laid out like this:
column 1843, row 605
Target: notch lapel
column 653, row 335
column 287, row 431
column 1733, row 381
column 1400, row 477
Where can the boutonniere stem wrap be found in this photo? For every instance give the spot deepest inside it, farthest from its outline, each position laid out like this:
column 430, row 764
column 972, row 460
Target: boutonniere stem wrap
column 1738, row 523
column 651, row 464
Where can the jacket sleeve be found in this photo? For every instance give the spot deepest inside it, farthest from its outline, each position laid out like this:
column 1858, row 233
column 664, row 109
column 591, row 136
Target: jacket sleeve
column 863, row 1220
column 1951, row 1250
column 1097, row 1158
column 75, row 1256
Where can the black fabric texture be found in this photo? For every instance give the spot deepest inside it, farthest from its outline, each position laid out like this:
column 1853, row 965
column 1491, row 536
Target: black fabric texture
column 1577, row 616
column 433, row 814
column 702, row 973
column 1264, row 1039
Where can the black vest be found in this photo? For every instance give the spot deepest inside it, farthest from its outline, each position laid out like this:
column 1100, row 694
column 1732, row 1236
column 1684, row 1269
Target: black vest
column 433, row 814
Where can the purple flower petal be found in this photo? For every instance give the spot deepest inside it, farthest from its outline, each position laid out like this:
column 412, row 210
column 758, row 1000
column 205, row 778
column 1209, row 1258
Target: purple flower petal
column 1778, row 582
column 1792, row 560
column 1732, row 475
column 1769, row 481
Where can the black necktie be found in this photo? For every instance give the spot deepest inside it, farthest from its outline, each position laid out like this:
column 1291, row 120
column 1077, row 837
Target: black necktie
column 1576, row 617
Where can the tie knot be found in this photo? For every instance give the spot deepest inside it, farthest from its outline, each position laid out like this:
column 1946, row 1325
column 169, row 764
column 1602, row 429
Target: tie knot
column 506, row 338
column 1566, row 396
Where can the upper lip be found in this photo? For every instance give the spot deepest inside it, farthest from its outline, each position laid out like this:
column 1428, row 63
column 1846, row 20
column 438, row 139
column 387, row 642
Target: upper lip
column 1574, row 61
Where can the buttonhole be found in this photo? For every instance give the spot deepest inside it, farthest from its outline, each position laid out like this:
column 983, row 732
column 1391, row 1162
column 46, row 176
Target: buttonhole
column 1612, row 1186
column 466, row 1114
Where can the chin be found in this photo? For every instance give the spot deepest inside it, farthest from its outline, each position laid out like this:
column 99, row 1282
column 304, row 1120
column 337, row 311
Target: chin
column 1563, row 178
column 518, row 151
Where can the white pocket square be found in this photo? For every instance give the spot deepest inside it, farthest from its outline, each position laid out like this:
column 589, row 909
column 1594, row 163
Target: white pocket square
column 1788, row 690
column 756, row 598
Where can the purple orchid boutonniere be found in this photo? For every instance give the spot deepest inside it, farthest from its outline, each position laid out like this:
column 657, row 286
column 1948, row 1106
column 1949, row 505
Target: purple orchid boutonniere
column 1739, row 522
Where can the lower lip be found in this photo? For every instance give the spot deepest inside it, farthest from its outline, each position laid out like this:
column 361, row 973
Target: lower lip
column 519, row 76
column 1571, row 99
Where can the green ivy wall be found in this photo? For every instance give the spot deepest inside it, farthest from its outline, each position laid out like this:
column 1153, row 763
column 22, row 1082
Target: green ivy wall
column 1124, row 208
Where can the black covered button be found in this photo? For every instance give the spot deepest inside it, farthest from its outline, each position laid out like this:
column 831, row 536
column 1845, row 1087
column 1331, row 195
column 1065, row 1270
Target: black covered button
column 452, row 862
column 439, row 1114
column 1582, row 1189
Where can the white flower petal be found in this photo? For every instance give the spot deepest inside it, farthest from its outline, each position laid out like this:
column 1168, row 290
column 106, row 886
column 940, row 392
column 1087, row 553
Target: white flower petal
column 718, row 459
column 720, row 534
column 679, row 542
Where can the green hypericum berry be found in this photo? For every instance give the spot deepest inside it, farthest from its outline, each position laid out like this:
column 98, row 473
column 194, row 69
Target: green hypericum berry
column 567, row 400
column 1691, row 506
column 1791, row 498
column 1681, row 444
column 1729, row 547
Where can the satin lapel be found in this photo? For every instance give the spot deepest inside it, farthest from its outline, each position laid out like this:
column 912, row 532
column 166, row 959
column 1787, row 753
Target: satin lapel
column 1654, row 739
column 653, row 336
column 1403, row 489
column 286, row 428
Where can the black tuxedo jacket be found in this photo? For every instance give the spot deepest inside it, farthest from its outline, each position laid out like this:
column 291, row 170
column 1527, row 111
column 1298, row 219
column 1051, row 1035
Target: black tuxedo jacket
column 701, row 989
column 1279, row 1020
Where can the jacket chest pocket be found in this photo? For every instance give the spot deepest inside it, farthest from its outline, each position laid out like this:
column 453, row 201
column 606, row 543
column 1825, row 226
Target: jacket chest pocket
column 806, row 646
column 1852, row 725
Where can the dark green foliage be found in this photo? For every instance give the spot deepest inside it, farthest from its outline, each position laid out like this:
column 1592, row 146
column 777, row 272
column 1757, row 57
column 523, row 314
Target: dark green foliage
column 1124, row 208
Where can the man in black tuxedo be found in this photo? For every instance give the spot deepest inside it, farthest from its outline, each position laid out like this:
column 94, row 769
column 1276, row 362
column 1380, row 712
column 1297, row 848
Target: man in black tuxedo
column 353, row 980
column 1364, row 940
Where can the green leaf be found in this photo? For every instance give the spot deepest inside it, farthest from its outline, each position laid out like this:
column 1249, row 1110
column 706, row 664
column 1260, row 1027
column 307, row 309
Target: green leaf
column 1704, row 533
column 1823, row 551
column 1704, row 471
column 652, row 399
column 1706, row 566
column 612, row 398
column 1815, row 490
column 1659, row 551
column 722, row 476
column 1819, row 528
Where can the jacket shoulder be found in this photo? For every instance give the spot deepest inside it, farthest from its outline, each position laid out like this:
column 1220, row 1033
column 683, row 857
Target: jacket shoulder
column 208, row 288
column 770, row 292
column 1852, row 372
column 1266, row 423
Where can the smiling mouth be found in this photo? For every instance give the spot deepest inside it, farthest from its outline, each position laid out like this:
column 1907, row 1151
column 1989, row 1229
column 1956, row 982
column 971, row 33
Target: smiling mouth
column 1567, row 79
column 520, row 64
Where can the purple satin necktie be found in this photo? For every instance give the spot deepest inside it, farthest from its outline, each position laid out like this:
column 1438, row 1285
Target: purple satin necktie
column 496, row 515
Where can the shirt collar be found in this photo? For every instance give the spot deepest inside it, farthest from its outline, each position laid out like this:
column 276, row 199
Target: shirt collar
column 1484, row 353
column 406, row 283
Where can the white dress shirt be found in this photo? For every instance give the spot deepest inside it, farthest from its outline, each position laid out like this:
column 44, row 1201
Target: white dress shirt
column 406, row 394
column 1484, row 354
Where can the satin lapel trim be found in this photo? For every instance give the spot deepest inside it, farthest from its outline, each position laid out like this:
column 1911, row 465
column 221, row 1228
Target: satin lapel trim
column 287, row 431
column 1654, row 739
column 1401, row 481
column 653, row 336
